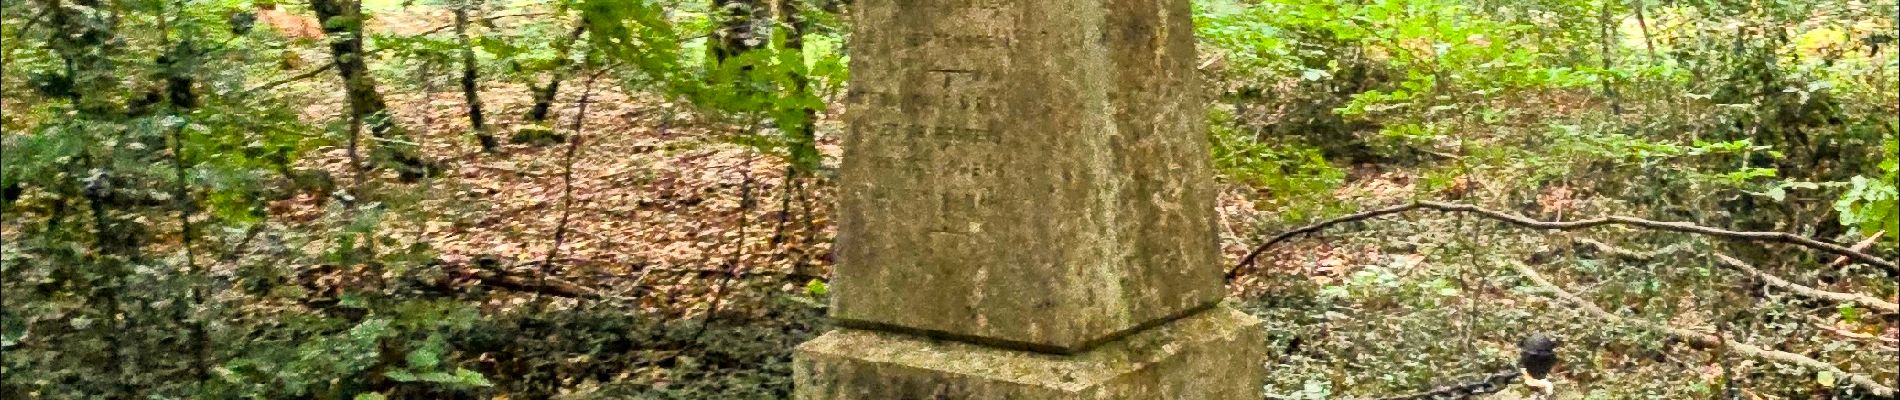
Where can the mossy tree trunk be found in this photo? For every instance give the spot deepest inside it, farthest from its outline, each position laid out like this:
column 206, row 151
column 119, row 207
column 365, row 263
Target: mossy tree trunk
column 471, row 88
column 343, row 25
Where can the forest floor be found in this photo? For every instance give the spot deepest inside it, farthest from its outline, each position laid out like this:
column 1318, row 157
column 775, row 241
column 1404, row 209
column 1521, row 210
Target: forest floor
column 661, row 198
column 664, row 208
column 667, row 215
column 662, row 201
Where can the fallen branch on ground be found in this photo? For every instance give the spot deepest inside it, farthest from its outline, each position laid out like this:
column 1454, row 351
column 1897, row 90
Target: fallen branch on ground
column 1703, row 340
column 1251, row 256
column 1484, row 385
column 1770, row 280
column 701, row 271
column 549, row 286
column 1838, row 330
column 1683, row 227
column 1828, row 326
column 1804, row 291
column 1633, row 255
column 511, row 170
column 1862, row 246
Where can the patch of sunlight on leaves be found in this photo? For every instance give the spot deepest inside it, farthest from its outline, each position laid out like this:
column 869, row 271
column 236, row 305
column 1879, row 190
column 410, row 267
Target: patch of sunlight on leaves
column 817, row 288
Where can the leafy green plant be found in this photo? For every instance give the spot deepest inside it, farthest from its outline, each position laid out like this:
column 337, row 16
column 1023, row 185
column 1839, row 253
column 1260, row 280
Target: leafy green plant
column 1294, row 173
column 1868, row 205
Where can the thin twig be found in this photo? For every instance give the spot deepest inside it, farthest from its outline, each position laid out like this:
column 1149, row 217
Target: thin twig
column 182, row 191
column 511, row 170
column 738, row 247
column 232, row 253
column 287, row 80
column 647, row 268
column 537, row 286
column 490, row 18
column 567, row 176
column 396, row 141
column 1284, row 236
column 1703, row 340
column 26, row 26
column 1681, row 227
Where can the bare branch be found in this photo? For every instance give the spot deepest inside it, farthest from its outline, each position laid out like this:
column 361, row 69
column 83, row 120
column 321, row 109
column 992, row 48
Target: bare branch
column 1683, row 227
column 1488, row 384
column 1805, row 291
column 1262, row 248
column 1770, row 280
column 544, row 285
column 1703, row 340
column 288, row 80
column 1862, row 246
column 567, row 178
column 487, row 19
column 1828, row 326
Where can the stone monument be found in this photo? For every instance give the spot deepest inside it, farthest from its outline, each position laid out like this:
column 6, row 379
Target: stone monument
column 1027, row 211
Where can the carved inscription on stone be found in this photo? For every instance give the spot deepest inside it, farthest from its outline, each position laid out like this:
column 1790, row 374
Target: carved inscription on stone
column 946, row 120
column 1011, row 160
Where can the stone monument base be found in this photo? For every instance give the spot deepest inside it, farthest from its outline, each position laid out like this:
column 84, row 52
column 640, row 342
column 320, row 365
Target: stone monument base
column 1215, row 354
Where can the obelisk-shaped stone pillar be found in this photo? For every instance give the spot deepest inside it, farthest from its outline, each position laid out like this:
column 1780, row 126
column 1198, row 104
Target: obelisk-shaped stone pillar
column 1027, row 211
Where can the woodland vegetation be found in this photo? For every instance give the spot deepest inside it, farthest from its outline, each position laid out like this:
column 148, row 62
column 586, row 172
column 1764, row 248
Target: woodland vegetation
column 365, row 199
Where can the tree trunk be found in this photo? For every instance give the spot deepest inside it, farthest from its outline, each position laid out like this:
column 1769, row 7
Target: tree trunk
column 544, row 95
column 84, row 46
column 471, row 91
column 736, row 30
column 343, row 25
column 1603, row 21
column 803, row 147
column 1643, row 23
column 116, row 246
column 178, row 88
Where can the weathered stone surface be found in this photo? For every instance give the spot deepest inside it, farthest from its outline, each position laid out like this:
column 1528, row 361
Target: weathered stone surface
column 1213, row 354
column 1024, row 173
column 1027, row 211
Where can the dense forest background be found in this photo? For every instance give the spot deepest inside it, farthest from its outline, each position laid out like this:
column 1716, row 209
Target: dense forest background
column 364, row 199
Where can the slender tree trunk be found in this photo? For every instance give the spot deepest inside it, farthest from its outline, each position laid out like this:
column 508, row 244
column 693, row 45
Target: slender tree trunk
column 736, row 29
column 178, row 88
column 201, row 344
column 86, row 52
column 115, row 244
column 567, row 181
column 784, row 207
column 738, row 247
column 1643, row 23
column 355, row 155
column 85, row 49
column 343, row 26
column 787, row 13
column 471, row 90
column 342, row 23
column 804, row 146
column 1605, row 30
column 544, row 95
column 802, row 149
